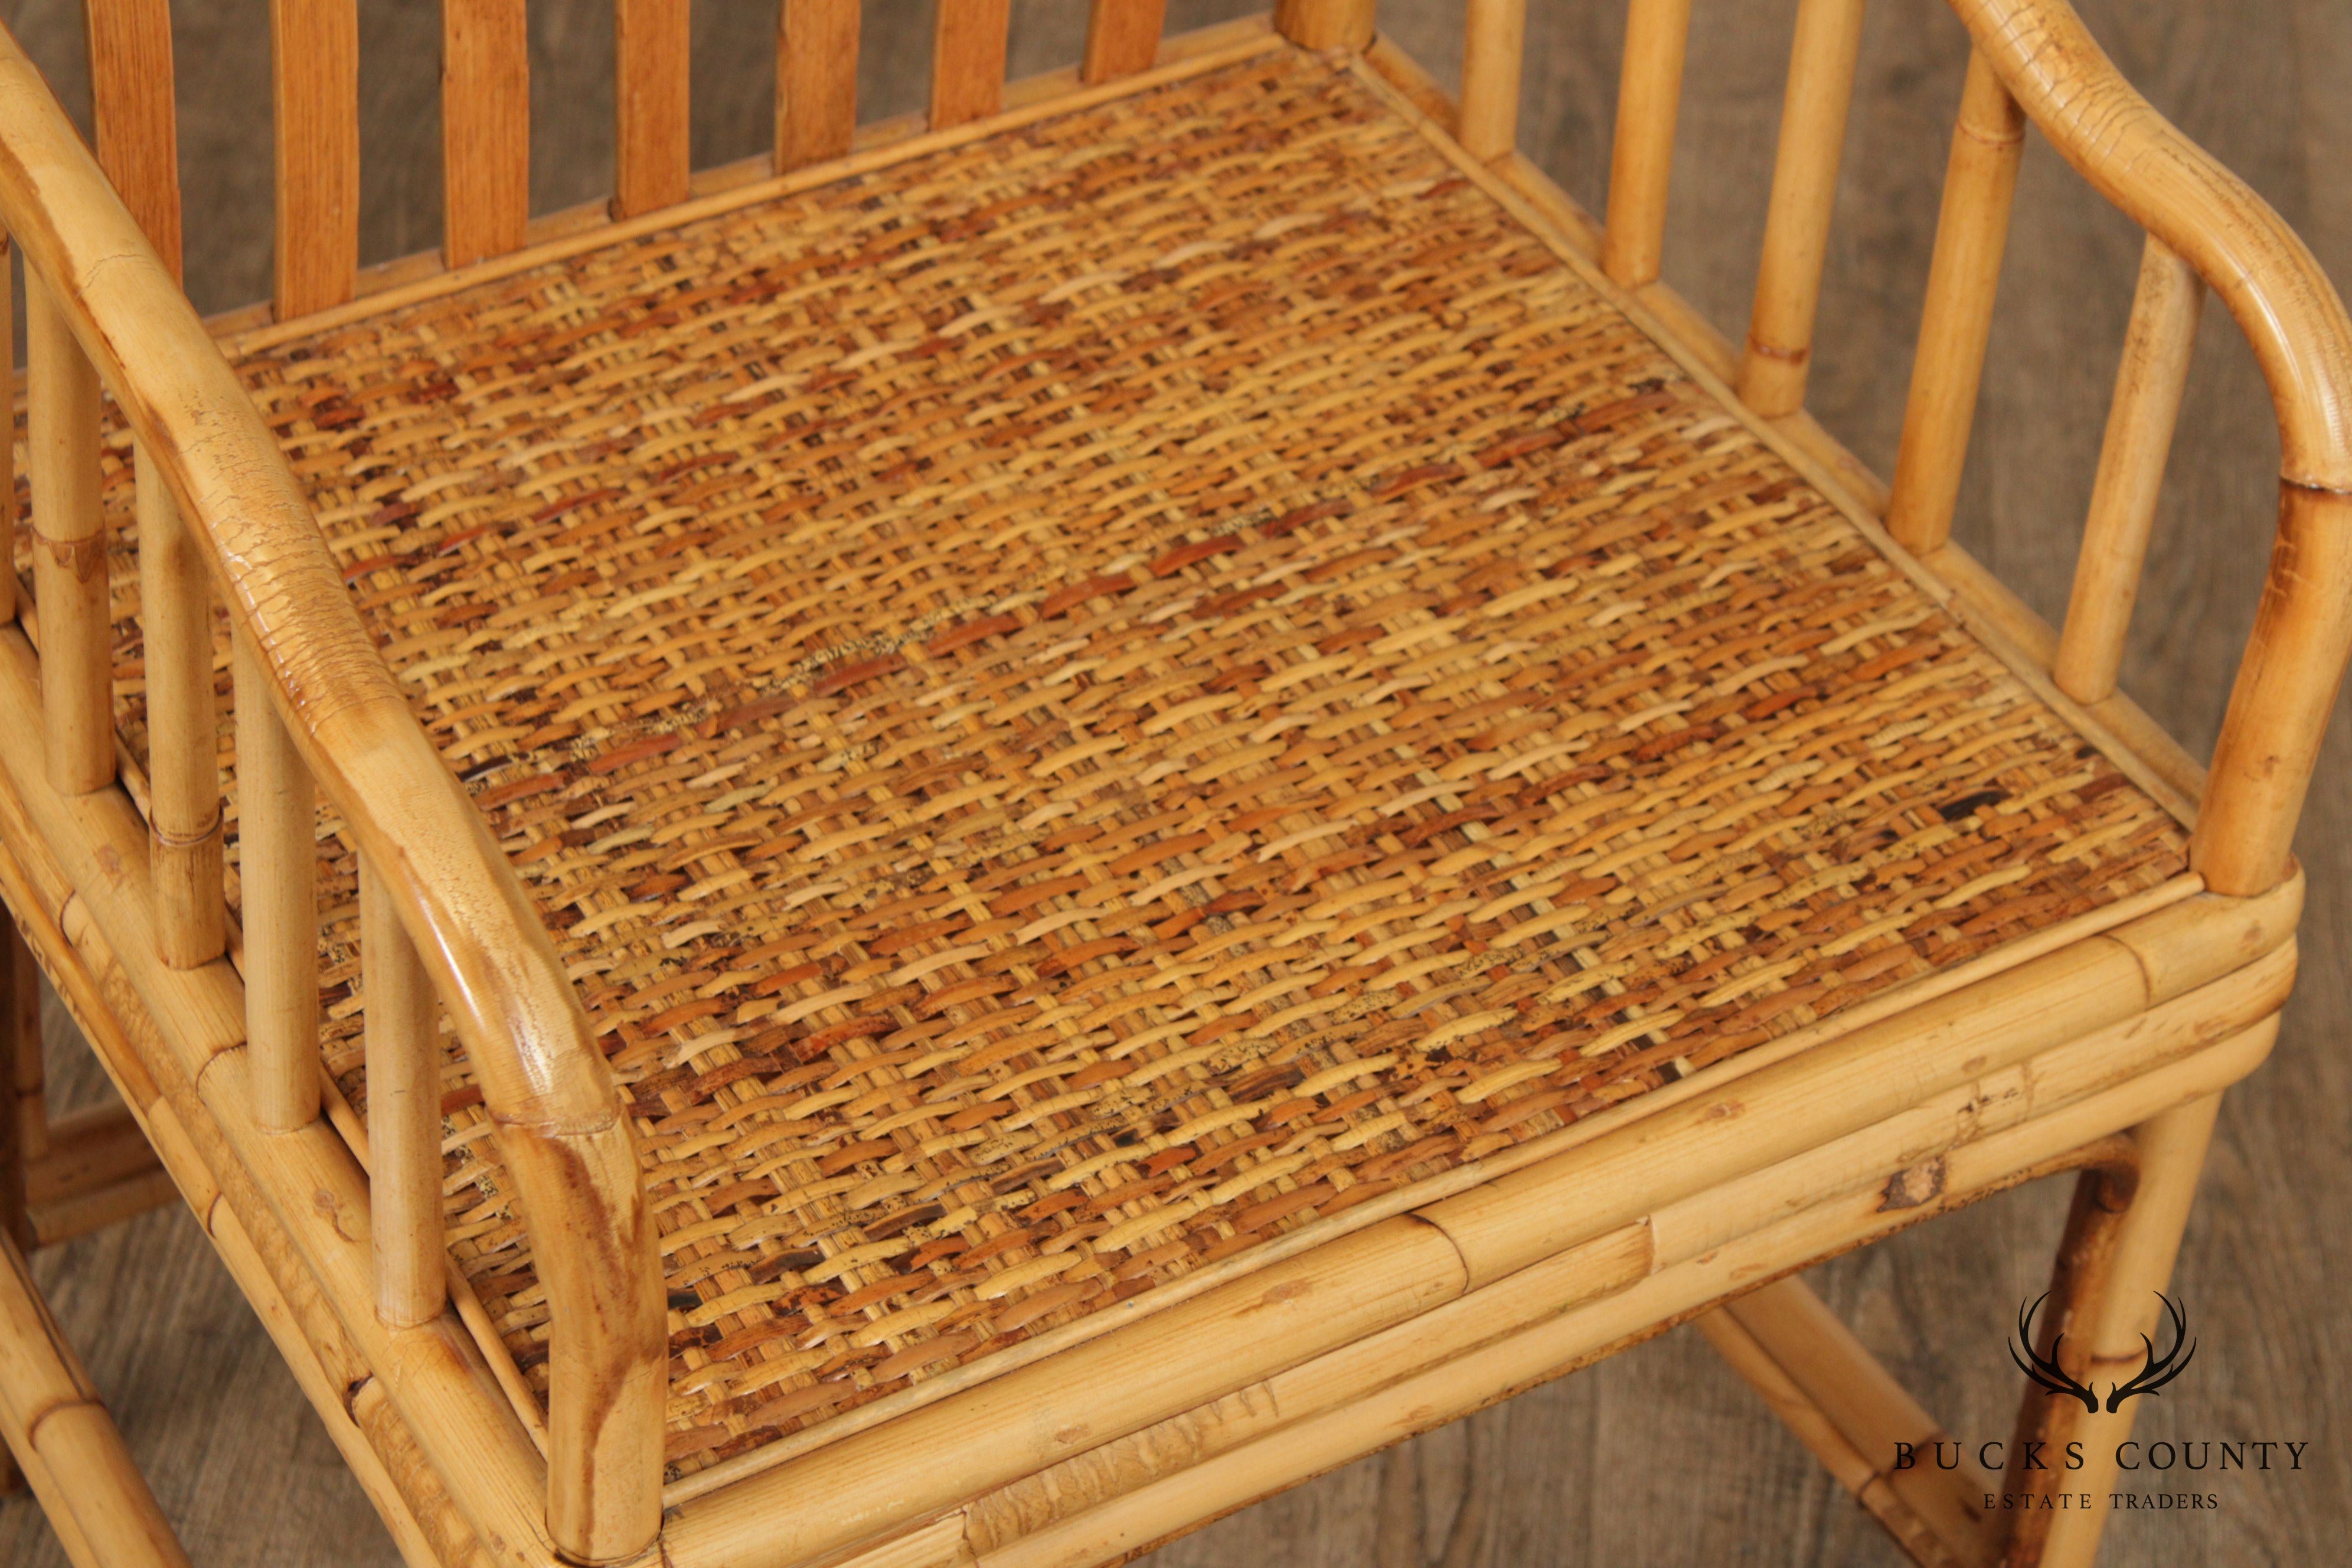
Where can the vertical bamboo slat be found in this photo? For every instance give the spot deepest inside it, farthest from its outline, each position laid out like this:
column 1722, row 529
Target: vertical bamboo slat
column 968, row 61
column 652, row 158
column 1493, row 44
column 1804, row 194
column 183, row 788
column 130, row 106
column 1122, row 38
column 485, row 128
column 1971, row 231
column 2148, row 386
column 404, row 1112
column 278, row 870
column 1641, row 163
column 314, row 54
column 816, row 81
column 1325, row 24
column 69, row 551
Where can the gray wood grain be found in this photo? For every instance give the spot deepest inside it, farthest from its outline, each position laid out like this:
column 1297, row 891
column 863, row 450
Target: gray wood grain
column 1659, row 1457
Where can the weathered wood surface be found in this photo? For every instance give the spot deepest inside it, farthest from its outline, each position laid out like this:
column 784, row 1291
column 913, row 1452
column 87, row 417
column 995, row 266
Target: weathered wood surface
column 1660, row 1455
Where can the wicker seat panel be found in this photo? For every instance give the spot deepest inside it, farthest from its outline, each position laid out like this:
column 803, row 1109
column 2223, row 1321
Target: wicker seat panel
column 1086, row 700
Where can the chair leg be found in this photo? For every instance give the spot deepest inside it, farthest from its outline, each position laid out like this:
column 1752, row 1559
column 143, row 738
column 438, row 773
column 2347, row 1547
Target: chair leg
column 22, row 1122
column 95, row 1499
column 2118, row 1253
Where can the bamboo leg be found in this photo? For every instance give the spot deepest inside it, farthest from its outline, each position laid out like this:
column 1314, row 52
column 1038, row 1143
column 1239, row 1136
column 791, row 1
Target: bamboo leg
column 1649, row 97
column 23, row 1126
column 50, row 1412
column 1971, row 231
column 2122, row 1307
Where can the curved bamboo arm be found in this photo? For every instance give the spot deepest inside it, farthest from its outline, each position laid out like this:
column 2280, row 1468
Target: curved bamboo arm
column 2285, row 305
column 559, row 1121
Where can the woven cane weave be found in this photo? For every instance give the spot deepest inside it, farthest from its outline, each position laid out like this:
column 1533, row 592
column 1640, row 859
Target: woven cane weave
column 1085, row 701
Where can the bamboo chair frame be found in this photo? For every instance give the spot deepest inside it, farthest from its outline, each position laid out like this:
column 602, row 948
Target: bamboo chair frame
column 2100, row 1046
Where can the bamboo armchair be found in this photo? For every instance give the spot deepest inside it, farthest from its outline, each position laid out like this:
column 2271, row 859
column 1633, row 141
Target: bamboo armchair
column 964, row 847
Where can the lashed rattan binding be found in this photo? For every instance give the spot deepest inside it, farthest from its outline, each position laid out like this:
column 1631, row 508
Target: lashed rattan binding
column 1163, row 709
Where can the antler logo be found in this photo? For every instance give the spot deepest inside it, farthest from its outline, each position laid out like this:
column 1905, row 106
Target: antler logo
column 2154, row 1372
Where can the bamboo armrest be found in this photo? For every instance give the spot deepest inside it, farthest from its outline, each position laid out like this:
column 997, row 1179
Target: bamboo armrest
column 2284, row 304
column 559, row 1120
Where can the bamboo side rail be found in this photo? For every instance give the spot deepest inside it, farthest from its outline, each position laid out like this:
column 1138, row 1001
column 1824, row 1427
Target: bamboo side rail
column 653, row 156
column 1956, row 322
column 2150, row 384
column 1804, row 194
column 485, row 128
column 1641, row 160
column 68, row 548
column 65, row 1442
column 314, row 56
column 968, row 40
column 1494, row 42
column 816, row 81
column 403, row 1084
column 1122, row 39
column 308, row 664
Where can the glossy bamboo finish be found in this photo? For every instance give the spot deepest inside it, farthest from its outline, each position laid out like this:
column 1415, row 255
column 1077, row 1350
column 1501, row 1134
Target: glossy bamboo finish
column 1804, row 194
column 314, row 54
column 68, row 549
column 277, row 864
column 403, row 1081
column 1649, row 99
column 183, row 785
column 2149, row 387
column 1956, row 322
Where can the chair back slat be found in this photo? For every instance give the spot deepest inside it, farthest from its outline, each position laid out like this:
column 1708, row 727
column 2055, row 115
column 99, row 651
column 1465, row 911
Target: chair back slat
column 76, row 640
column 653, row 159
column 1122, row 38
column 968, row 61
column 131, row 103
column 1821, row 63
column 2149, row 382
column 1955, row 321
column 816, row 81
column 1649, row 99
column 485, row 129
column 314, row 51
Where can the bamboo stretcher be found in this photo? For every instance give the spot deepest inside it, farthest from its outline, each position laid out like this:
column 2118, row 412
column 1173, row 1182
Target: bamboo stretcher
column 1488, row 1063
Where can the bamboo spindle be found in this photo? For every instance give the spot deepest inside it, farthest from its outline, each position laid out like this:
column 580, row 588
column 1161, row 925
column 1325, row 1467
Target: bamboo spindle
column 816, row 81
column 69, row 551
column 2148, row 386
column 314, row 53
column 49, row 1413
column 1804, row 194
column 7, row 453
column 404, row 1112
column 1122, row 39
column 1971, row 231
column 652, row 158
column 183, row 789
column 2124, row 1319
column 278, row 867
column 1649, row 97
column 1494, row 44
column 1325, row 24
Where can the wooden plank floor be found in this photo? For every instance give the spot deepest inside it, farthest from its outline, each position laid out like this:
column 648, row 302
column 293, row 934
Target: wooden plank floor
column 1659, row 1457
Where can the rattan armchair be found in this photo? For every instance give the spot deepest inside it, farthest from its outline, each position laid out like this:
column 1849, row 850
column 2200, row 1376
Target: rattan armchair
column 962, row 847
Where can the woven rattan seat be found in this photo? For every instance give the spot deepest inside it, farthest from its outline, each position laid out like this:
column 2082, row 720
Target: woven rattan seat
column 1090, row 700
